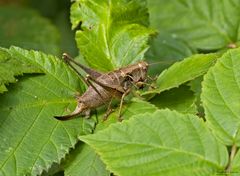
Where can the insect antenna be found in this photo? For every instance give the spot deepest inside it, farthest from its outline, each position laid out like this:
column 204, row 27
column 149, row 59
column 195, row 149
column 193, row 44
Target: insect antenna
column 89, row 71
column 162, row 62
column 67, row 59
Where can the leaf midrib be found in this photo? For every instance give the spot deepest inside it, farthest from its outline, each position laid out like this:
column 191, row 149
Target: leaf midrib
column 20, row 141
column 108, row 25
column 38, row 103
column 153, row 146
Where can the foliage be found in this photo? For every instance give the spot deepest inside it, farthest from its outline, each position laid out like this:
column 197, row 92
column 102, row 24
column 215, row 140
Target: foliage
column 214, row 27
column 174, row 144
column 221, row 92
column 195, row 66
column 112, row 33
column 185, row 123
column 26, row 28
column 11, row 66
column 31, row 140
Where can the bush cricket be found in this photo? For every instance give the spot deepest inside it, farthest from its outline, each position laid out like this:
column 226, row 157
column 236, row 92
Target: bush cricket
column 104, row 87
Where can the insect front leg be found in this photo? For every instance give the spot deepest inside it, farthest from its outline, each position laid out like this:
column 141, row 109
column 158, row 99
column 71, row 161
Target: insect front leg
column 121, row 103
column 141, row 84
column 152, row 78
column 109, row 111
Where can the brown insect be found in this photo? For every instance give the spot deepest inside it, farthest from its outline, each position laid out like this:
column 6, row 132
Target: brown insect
column 104, row 87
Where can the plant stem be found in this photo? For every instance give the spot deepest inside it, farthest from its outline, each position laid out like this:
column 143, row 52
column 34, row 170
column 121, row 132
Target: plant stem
column 231, row 157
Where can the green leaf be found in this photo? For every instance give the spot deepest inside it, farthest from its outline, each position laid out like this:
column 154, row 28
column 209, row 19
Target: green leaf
column 3, row 88
column 10, row 67
column 26, row 28
column 196, row 85
column 186, row 70
column 84, row 161
column 164, row 51
column 31, row 139
column 181, row 99
column 133, row 107
column 205, row 24
column 161, row 143
column 112, row 33
column 221, row 97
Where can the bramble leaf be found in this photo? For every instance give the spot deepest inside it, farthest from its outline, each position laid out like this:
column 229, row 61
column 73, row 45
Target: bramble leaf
column 221, row 97
column 10, row 67
column 31, row 139
column 205, row 24
column 183, row 71
column 112, row 33
column 161, row 143
column 84, row 161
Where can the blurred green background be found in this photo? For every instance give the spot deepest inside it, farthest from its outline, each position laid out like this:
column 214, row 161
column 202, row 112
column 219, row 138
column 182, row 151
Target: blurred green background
column 41, row 25
column 45, row 26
